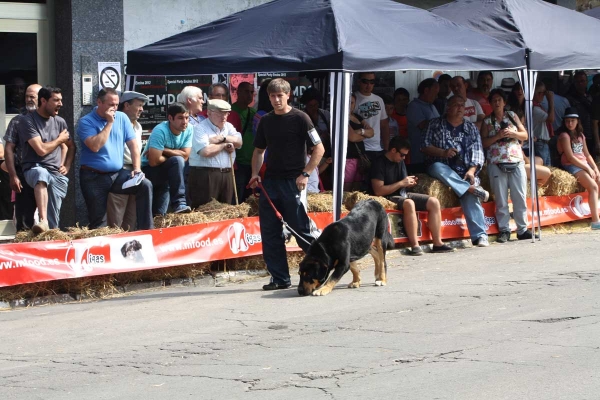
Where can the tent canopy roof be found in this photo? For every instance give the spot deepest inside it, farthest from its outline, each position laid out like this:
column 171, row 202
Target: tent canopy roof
column 558, row 38
column 333, row 35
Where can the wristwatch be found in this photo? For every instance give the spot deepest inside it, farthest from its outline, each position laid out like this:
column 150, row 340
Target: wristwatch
column 224, row 139
column 305, row 174
column 362, row 131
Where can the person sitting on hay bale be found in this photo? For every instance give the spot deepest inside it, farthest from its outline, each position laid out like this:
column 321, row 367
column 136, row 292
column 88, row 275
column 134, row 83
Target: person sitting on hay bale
column 390, row 179
column 501, row 134
column 576, row 159
column 455, row 157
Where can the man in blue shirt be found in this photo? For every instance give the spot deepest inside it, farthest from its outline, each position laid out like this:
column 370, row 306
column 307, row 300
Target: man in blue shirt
column 102, row 133
column 418, row 114
column 164, row 157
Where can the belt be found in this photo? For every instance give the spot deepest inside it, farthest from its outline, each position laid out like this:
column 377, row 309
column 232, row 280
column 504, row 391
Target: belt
column 86, row 168
column 212, row 169
column 543, row 141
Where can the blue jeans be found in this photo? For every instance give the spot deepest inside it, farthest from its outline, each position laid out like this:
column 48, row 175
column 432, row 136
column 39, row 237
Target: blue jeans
column 543, row 150
column 286, row 198
column 95, row 188
column 168, row 183
column 57, row 190
column 469, row 202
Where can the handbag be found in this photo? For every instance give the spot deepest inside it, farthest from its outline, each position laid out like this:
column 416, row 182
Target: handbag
column 508, row 167
column 364, row 164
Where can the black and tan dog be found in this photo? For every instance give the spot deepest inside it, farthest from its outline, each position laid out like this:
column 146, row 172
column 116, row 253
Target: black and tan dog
column 342, row 243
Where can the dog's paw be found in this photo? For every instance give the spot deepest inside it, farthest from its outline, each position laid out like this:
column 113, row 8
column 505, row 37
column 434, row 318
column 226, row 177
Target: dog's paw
column 380, row 283
column 322, row 291
column 354, row 285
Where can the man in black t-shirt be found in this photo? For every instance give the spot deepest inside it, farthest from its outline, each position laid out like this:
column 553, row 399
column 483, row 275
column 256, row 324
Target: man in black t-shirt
column 390, row 179
column 287, row 133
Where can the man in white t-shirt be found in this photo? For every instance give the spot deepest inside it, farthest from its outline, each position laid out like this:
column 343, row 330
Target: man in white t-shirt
column 473, row 110
column 371, row 108
column 121, row 208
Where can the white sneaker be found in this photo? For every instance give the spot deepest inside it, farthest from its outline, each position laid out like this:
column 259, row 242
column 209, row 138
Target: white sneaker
column 483, row 242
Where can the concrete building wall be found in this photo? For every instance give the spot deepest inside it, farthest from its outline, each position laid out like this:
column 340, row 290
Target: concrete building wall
column 147, row 21
column 87, row 32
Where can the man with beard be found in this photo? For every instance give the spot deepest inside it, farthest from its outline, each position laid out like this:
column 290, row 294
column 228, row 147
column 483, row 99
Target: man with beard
column 485, row 81
column 41, row 133
column 24, row 197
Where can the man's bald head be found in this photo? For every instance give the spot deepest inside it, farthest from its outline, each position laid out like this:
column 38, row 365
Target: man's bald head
column 31, row 96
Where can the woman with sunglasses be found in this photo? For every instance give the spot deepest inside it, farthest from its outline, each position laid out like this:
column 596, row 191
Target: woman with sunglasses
column 501, row 134
column 576, row 159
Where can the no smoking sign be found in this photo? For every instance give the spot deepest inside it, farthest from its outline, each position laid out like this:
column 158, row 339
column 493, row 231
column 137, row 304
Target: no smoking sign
column 109, row 74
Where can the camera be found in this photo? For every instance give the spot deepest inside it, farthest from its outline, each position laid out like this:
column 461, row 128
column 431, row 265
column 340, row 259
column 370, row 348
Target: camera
column 503, row 125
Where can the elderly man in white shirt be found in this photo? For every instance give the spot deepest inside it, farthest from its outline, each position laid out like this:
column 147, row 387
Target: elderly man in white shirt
column 212, row 156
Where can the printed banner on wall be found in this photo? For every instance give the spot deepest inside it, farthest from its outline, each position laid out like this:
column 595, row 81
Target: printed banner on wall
column 44, row 261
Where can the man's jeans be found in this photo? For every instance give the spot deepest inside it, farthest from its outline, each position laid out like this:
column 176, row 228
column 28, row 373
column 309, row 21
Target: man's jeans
column 469, row 202
column 96, row 186
column 542, row 150
column 57, row 190
column 287, row 199
column 168, row 183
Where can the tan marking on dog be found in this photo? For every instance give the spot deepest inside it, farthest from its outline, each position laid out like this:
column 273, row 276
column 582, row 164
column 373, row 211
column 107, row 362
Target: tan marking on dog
column 310, row 287
column 379, row 257
column 355, row 275
column 326, row 288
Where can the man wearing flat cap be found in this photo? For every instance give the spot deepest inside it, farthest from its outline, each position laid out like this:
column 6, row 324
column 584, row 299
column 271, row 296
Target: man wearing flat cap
column 164, row 157
column 212, row 156
column 120, row 209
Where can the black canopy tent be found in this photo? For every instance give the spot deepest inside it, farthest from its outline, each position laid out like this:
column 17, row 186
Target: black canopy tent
column 340, row 36
column 594, row 12
column 554, row 38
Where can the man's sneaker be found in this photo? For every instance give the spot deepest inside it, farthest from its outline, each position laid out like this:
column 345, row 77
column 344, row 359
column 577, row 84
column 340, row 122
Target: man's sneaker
column 503, row 237
column 276, row 286
column 40, row 227
column 442, row 249
column 526, row 235
column 182, row 209
column 483, row 194
column 415, row 251
column 595, row 226
column 483, row 242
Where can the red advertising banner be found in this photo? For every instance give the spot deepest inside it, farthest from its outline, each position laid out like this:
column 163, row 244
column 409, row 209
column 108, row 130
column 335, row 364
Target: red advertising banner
column 44, row 261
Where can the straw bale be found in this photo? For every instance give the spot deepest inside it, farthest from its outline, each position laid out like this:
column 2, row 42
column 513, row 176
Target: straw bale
column 252, row 201
column 350, row 200
column 210, row 212
column 434, row 188
column 562, row 183
column 52, row 234
column 77, row 232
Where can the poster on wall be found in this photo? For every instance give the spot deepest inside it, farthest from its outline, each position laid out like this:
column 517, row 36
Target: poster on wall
column 298, row 83
column 155, row 110
column 234, row 83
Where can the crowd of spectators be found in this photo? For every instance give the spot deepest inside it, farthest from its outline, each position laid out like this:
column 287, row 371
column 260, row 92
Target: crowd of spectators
column 205, row 150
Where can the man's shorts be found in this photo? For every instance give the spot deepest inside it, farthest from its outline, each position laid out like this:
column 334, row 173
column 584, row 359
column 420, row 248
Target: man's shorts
column 419, row 199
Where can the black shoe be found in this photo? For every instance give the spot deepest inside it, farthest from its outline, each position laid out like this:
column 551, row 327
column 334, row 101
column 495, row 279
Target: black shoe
column 504, row 237
column 276, row 286
column 526, row 235
column 442, row 249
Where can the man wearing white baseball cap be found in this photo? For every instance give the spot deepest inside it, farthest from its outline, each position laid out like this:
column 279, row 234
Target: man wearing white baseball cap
column 120, row 208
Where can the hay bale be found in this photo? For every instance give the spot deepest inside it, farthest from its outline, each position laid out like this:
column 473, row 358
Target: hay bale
column 434, row 188
column 209, row 212
column 52, row 234
column 350, row 200
column 252, row 202
column 77, row 232
column 561, row 183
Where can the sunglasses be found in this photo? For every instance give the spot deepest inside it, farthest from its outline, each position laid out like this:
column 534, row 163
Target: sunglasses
column 402, row 155
column 368, row 81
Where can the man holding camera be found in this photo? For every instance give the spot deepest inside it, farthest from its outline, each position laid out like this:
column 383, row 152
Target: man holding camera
column 212, row 156
column 455, row 157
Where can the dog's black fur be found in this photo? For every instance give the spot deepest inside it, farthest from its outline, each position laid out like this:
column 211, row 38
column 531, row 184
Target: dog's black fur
column 342, row 243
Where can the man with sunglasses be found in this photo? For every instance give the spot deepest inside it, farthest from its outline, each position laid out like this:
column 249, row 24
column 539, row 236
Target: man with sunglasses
column 372, row 109
column 390, row 179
